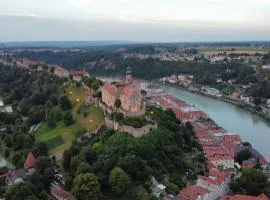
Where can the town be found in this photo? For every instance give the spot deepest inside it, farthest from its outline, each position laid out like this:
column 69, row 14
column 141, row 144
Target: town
column 125, row 104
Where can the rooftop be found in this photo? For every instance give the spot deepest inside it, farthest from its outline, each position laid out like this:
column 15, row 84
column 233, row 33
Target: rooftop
column 245, row 197
column 192, row 192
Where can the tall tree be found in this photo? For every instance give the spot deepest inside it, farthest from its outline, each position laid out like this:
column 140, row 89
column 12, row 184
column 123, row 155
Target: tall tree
column 252, row 182
column 119, row 181
column 21, row 191
column 65, row 103
column 86, row 187
column 68, row 119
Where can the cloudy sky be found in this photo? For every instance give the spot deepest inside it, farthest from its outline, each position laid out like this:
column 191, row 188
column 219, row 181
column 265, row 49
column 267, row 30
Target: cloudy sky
column 135, row 20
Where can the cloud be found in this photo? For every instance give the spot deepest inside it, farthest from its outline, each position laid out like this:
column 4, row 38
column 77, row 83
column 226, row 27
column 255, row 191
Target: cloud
column 79, row 3
column 82, row 3
column 19, row 14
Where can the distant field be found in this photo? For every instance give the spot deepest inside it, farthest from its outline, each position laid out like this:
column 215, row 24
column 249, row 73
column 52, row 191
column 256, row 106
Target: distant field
column 87, row 119
column 214, row 50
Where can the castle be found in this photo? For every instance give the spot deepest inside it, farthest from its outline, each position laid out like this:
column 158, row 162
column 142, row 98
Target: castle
column 127, row 91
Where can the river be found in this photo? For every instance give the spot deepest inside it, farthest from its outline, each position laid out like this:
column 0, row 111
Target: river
column 249, row 126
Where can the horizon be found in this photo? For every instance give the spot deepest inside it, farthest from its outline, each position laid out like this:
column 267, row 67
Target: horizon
column 135, row 20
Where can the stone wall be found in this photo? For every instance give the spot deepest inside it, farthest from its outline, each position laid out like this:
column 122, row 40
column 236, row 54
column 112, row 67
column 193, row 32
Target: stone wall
column 136, row 132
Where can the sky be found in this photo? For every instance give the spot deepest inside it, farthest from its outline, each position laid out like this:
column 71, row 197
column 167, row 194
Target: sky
column 135, row 20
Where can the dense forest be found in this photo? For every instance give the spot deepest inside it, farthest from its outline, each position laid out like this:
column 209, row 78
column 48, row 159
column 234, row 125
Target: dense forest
column 122, row 165
column 112, row 64
column 109, row 63
column 32, row 95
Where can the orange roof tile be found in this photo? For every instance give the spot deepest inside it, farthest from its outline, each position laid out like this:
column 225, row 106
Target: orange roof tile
column 112, row 89
column 245, row 197
column 192, row 192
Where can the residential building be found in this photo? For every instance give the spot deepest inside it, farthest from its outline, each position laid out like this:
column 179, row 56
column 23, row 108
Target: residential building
column 17, row 176
column 30, row 161
column 216, row 183
column 194, row 193
column 77, row 75
column 222, row 161
column 255, row 154
column 210, row 91
column 245, row 197
column 158, row 190
column 60, row 71
column 250, row 163
column 60, row 194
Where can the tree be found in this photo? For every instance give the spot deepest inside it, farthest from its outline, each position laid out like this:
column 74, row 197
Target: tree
column 65, row 104
column 172, row 189
column 21, row 191
column 40, row 149
column 117, row 103
column 244, row 155
column 2, row 186
column 53, row 99
column 48, row 177
column 252, row 182
column 86, row 187
column 66, row 160
column 42, row 164
column 257, row 101
column 68, row 119
column 51, row 122
column 119, row 181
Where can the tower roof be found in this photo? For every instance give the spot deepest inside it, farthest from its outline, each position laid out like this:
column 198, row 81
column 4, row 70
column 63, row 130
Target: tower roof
column 30, row 160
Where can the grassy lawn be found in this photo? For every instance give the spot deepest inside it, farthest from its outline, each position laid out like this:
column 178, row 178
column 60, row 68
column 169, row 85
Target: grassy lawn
column 89, row 117
column 55, row 142
column 61, row 137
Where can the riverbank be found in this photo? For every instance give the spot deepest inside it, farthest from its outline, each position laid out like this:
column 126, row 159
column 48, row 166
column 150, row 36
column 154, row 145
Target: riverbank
column 233, row 102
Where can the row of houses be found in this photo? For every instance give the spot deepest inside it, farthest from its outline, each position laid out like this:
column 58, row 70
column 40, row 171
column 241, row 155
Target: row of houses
column 77, row 75
column 15, row 175
column 220, row 149
column 182, row 110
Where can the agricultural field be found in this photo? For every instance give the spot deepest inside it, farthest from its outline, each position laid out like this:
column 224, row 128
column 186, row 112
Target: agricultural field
column 86, row 119
column 238, row 50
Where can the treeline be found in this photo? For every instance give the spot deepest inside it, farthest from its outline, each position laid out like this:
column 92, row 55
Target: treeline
column 32, row 95
column 121, row 166
column 112, row 64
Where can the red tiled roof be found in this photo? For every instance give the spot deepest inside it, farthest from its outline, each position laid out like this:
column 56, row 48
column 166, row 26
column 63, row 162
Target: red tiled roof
column 78, row 72
column 60, row 69
column 215, row 177
column 192, row 192
column 31, row 62
column 59, row 193
column 127, row 91
column 112, row 89
column 231, row 138
column 245, row 197
column 214, row 151
column 220, row 157
column 30, row 161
